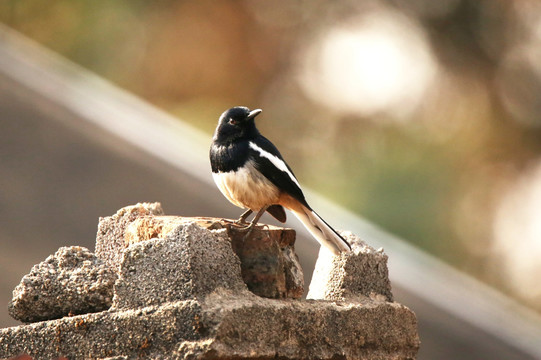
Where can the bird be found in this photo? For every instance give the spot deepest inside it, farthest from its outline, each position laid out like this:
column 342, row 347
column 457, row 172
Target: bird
column 252, row 174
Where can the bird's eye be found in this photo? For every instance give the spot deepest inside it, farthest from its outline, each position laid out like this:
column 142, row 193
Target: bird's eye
column 232, row 122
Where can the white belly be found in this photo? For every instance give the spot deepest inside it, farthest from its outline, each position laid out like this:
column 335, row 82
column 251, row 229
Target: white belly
column 247, row 188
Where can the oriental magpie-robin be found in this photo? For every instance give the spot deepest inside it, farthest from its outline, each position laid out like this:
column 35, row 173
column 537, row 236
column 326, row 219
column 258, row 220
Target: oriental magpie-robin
column 252, row 174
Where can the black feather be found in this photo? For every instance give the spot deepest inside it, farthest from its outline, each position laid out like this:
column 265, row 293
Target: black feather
column 278, row 212
column 230, row 157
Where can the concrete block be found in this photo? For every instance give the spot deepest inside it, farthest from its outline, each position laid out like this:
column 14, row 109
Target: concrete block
column 134, row 333
column 190, row 263
column 269, row 265
column 351, row 276
column 225, row 327
column 182, row 293
column 72, row 281
column 110, row 239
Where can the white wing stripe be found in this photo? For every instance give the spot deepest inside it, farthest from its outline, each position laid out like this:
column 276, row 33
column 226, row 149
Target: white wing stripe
column 279, row 163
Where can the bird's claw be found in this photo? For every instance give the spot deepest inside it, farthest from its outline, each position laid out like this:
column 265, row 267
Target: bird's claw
column 241, row 222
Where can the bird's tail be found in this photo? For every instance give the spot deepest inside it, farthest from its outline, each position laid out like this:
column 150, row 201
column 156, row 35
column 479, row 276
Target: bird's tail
column 322, row 231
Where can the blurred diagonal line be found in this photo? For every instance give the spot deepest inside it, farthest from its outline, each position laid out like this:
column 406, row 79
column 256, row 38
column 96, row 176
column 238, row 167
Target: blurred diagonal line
column 103, row 104
column 179, row 144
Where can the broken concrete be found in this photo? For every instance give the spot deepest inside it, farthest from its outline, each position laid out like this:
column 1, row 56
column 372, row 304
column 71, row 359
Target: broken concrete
column 110, row 239
column 351, row 276
column 225, row 327
column 182, row 294
column 269, row 265
column 190, row 264
column 72, row 281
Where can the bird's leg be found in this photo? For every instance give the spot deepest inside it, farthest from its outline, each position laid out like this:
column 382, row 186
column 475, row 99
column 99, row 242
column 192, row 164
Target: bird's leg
column 256, row 218
column 243, row 217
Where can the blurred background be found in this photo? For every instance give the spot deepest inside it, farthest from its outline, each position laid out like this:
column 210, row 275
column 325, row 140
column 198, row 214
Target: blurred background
column 422, row 116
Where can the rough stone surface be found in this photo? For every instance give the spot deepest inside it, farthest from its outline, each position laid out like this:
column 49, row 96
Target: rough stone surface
column 136, row 333
column 360, row 273
column 110, row 239
column 72, row 281
column 270, row 267
column 225, row 327
column 191, row 263
column 182, row 293
column 310, row 330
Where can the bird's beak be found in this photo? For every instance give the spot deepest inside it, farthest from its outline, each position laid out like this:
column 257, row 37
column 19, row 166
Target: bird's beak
column 254, row 113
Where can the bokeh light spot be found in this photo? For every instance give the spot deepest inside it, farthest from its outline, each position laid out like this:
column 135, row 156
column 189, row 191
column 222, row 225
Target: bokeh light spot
column 379, row 63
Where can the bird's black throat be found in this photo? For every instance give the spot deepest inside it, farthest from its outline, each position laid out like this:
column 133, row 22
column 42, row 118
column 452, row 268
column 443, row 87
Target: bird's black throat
column 229, row 157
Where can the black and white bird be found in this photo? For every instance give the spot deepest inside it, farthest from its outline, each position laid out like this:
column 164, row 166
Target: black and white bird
column 250, row 172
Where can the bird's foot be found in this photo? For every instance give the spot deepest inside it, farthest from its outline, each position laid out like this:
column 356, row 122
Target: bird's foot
column 248, row 230
column 243, row 227
column 241, row 223
column 243, row 217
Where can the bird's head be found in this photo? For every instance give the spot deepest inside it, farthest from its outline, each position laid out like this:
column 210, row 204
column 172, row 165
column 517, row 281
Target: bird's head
column 236, row 123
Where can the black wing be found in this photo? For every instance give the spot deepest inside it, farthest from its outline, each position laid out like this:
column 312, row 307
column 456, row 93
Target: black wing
column 278, row 177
